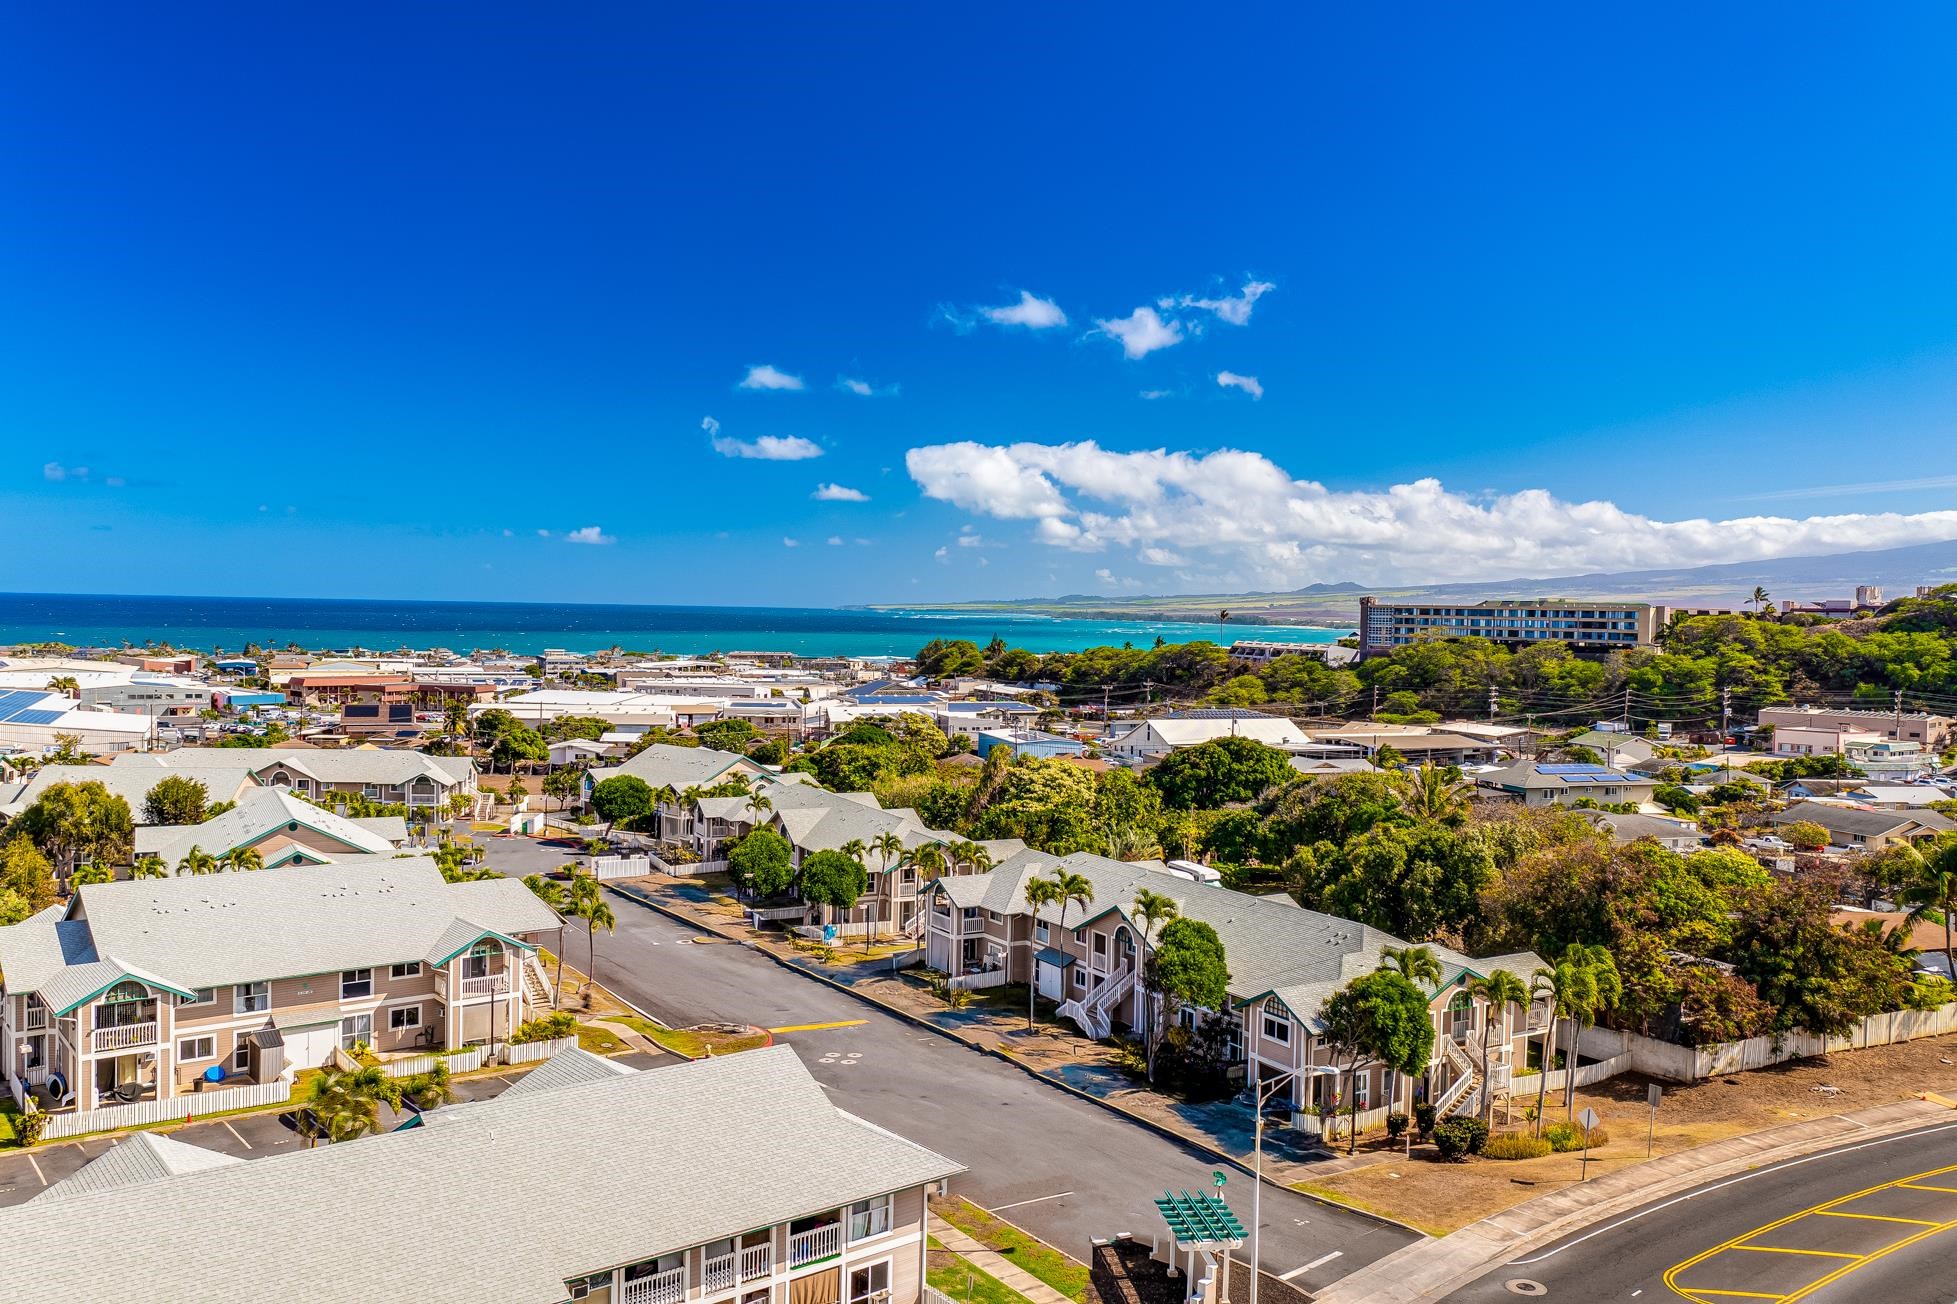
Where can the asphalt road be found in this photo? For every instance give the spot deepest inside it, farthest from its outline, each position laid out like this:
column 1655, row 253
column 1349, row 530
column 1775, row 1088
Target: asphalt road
column 1064, row 1169
column 1872, row 1221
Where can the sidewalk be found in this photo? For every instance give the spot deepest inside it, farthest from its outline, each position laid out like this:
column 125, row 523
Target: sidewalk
column 1432, row 1269
column 995, row 1265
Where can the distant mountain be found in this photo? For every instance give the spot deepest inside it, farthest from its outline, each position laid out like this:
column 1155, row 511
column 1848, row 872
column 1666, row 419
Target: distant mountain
column 1895, row 570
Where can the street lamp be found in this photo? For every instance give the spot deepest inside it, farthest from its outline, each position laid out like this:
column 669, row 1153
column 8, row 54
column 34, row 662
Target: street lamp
column 1264, row 1094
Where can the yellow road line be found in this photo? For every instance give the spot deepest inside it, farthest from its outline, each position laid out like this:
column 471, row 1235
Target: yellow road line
column 1925, row 1186
column 1782, row 1249
column 1874, row 1217
column 820, row 1027
column 1929, row 1229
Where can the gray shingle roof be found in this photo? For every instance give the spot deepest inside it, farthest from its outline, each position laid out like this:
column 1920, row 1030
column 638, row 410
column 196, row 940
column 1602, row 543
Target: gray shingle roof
column 1861, row 823
column 262, row 812
column 659, row 1161
column 382, row 765
column 132, row 783
column 663, row 764
column 137, row 1159
column 567, row 1068
column 218, row 929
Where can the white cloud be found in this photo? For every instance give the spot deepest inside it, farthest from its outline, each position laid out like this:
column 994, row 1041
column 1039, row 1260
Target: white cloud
column 53, row 471
column 541, row 534
column 1031, row 311
column 839, row 493
column 835, row 541
column 509, row 534
column 1248, row 384
column 942, row 554
column 971, row 538
column 1240, row 513
column 787, row 542
column 767, row 377
column 589, row 534
column 863, row 388
column 768, row 448
column 1234, row 309
column 1141, row 332
column 1152, row 394
column 709, row 425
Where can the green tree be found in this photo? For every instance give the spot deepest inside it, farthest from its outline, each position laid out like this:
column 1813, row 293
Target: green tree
column 562, row 785
column 1218, row 772
column 93, row 872
column 1417, row 964
column 588, row 904
column 622, row 799
column 26, row 873
column 1128, row 813
column 519, row 745
column 243, row 860
column 1151, row 911
column 1187, row 969
column 1378, row 1016
column 1436, row 794
column 73, row 822
column 1499, row 990
column 588, row 727
column 178, row 799
column 1583, row 985
column 149, row 866
column 832, row 878
column 1040, row 893
column 759, row 863
column 197, row 861
column 1805, row 835
column 347, row 1102
column 726, row 735
column 943, row 658
column 1931, row 894
column 1408, row 880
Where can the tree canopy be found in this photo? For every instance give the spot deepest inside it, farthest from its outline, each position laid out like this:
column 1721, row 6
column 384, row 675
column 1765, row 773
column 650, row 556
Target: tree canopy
column 622, row 799
column 1188, row 967
column 831, row 878
column 1219, row 772
column 73, row 822
column 178, row 799
column 759, row 862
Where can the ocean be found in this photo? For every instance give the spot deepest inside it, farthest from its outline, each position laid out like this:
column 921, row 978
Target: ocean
column 207, row 624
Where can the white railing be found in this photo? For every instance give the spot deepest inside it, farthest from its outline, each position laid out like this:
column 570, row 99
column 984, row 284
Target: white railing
column 1454, row 1093
column 530, row 1052
column 494, row 985
column 37, row 1018
column 37, row 1076
column 125, row 1036
column 604, row 867
column 1091, row 1011
column 973, row 982
column 466, row 1061
column 668, row 1287
column 865, row 1225
column 816, row 1243
column 757, row 1261
column 1314, row 1125
column 161, row 1111
column 758, row 915
column 722, row 1272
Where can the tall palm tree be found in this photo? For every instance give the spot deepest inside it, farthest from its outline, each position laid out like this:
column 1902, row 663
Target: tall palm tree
column 889, row 849
column 1585, row 984
column 1071, row 888
column 929, row 860
column 244, row 860
column 1542, row 986
column 558, row 898
column 596, row 913
column 1931, row 892
column 757, row 803
column 1416, row 964
column 1759, row 599
column 65, row 684
column 1151, row 911
column 1040, row 893
column 855, row 849
column 1499, row 990
column 1431, row 795
column 197, row 861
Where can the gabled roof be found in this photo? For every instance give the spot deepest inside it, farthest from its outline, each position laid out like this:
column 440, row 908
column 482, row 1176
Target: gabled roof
column 755, row 1139
column 261, row 813
column 131, row 783
column 567, row 1068
column 382, row 765
column 664, row 764
column 1861, row 823
column 136, row 1159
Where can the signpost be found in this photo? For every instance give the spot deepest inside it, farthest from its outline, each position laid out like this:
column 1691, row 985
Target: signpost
column 1587, row 1119
column 1652, row 1095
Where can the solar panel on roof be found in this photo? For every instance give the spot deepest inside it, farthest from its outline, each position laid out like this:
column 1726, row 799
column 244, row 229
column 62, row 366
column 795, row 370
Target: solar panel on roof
column 15, row 698
column 35, row 717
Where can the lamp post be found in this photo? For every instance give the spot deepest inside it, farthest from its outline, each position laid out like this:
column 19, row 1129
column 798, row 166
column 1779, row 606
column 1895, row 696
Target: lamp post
column 1264, row 1094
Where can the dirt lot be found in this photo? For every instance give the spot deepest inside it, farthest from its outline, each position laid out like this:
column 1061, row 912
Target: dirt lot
column 1439, row 1197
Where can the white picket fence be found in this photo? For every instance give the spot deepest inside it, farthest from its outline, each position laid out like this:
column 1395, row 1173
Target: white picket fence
column 1527, row 1084
column 466, row 1061
column 530, row 1052
column 604, row 867
column 1312, row 1125
column 145, row 1112
column 973, row 982
column 1662, row 1059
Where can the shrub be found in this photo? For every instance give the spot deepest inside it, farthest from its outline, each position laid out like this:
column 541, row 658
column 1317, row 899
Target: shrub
column 1423, row 1119
column 1396, row 1126
column 1515, row 1145
column 1569, row 1136
column 548, row 1027
column 28, row 1126
column 1455, row 1139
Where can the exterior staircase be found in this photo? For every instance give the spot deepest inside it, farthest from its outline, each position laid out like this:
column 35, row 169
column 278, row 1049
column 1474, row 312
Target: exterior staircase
column 537, row 993
column 1091, row 1011
column 1463, row 1096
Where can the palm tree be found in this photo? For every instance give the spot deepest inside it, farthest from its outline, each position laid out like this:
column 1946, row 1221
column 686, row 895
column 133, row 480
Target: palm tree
column 1498, row 990
column 1759, row 599
column 889, row 849
column 558, row 899
column 347, row 1102
column 929, row 860
column 596, row 913
column 245, row 860
column 1223, row 616
column 1542, row 986
column 1071, row 887
column 1152, row 910
column 93, row 872
column 855, row 849
column 65, row 684
column 756, row 804
column 1040, row 893
column 197, row 861
column 148, row 867
column 1430, row 794
column 1931, row 892
column 1584, row 984
column 1416, row 964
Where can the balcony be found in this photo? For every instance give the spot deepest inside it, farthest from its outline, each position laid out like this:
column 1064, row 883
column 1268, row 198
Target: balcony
column 726, row 1271
column 814, row 1245
column 37, row 1018
column 494, row 985
column 668, row 1287
column 125, row 1037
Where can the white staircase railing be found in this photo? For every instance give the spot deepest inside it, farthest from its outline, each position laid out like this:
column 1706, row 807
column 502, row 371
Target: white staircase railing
column 1467, row 1079
column 1091, row 1011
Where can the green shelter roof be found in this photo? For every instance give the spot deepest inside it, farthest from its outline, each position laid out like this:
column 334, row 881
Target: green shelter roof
column 1198, row 1221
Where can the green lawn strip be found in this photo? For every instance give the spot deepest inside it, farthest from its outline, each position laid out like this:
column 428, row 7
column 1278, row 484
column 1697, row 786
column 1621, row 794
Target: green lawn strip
column 1033, row 1255
column 8, row 1112
column 957, row 1277
column 598, row 1041
column 684, row 1041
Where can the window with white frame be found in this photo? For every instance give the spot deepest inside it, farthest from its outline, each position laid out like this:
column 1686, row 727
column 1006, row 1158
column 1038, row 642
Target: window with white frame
column 356, row 1030
column 241, row 1057
column 870, row 1284
column 408, row 970
column 356, row 983
column 1277, row 1028
column 251, row 998
column 476, row 963
column 199, row 996
column 1362, row 1091
column 404, row 1016
column 869, row 1218
column 196, row 1048
column 1040, row 930
column 1080, row 979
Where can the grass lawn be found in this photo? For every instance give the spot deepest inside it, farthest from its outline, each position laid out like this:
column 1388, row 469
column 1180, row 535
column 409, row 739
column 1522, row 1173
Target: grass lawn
column 8, row 1113
column 694, row 1043
column 598, row 1041
column 1065, row 1275
column 955, row 1276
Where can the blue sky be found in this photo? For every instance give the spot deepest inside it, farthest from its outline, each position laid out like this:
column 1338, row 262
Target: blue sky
column 436, row 301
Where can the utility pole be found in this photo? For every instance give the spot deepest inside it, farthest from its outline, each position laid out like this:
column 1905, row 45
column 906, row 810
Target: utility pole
column 1105, row 689
column 1491, row 701
column 1375, row 714
column 1899, row 715
column 1725, row 714
column 1148, row 686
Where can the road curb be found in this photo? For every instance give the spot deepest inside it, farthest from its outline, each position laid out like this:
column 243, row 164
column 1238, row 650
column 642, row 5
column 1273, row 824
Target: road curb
column 1142, row 1120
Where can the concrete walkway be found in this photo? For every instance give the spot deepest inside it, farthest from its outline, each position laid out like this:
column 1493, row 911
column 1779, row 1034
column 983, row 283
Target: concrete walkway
column 632, row 1037
column 995, row 1264
column 1433, row 1269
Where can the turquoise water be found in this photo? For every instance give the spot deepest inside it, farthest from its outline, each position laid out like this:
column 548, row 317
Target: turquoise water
column 98, row 620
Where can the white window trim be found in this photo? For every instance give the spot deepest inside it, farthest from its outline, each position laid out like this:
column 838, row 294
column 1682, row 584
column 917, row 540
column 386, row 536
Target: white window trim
column 412, row 969
column 241, row 993
column 1275, row 1028
column 192, row 1043
column 889, row 1273
column 393, row 1026
column 352, row 978
column 198, row 997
